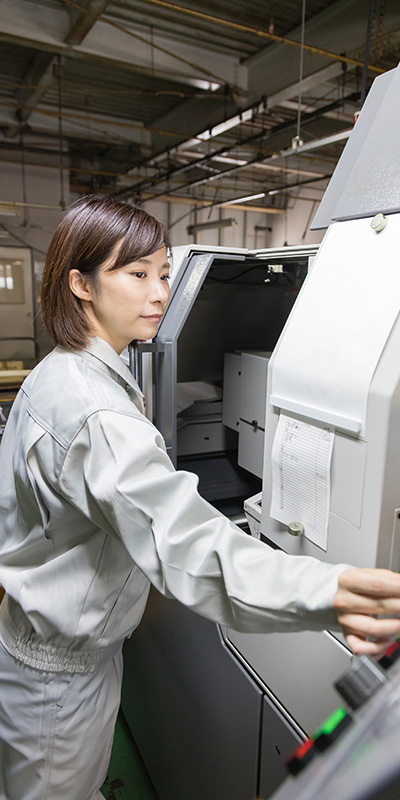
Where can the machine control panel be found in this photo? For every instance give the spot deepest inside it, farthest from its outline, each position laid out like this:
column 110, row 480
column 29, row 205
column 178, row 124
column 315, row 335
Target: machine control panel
column 364, row 762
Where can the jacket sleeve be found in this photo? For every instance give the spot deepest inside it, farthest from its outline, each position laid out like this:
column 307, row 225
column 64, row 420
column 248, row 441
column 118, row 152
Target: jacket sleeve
column 118, row 474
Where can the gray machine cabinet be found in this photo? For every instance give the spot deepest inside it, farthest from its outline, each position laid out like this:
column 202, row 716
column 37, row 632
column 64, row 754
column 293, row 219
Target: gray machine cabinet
column 194, row 712
column 278, row 741
column 295, row 666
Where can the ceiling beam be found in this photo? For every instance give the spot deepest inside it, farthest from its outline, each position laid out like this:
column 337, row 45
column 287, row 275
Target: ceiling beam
column 85, row 21
column 113, row 45
column 341, row 27
column 263, row 34
column 41, row 76
column 103, row 129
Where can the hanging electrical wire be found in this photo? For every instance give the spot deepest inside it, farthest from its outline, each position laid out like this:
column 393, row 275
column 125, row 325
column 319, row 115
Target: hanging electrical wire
column 23, row 171
column 297, row 141
column 60, row 131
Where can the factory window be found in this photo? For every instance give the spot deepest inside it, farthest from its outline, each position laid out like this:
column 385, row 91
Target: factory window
column 12, row 288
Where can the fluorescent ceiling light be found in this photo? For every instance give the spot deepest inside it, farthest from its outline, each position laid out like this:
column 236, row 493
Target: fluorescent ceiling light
column 227, row 160
column 8, row 209
column 187, row 153
column 334, row 114
column 216, row 130
column 244, row 116
column 293, row 106
column 309, row 146
column 242, row 199
column 218, row 223
column 291, row 170
column 209, row 86
column 12, row 208
column 240, row 162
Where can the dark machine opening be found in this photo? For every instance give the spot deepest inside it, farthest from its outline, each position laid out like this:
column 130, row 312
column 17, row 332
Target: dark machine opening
column 242, row 305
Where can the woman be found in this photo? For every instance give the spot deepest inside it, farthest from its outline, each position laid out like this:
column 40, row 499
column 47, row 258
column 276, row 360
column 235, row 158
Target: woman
column 92, row 511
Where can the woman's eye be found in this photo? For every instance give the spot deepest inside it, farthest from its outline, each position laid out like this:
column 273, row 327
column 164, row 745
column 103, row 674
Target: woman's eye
column 165, row 277
column 139, row 274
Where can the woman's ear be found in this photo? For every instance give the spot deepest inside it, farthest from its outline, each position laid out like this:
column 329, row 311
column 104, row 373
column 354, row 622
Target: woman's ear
column 79, row 286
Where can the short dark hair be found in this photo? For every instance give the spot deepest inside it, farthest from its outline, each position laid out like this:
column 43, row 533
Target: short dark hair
column 85, row 239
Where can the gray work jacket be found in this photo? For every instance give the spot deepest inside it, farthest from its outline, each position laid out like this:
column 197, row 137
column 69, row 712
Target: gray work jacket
column 92, row 511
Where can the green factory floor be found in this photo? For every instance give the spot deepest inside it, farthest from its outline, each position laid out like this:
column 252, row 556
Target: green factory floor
column 127, row 777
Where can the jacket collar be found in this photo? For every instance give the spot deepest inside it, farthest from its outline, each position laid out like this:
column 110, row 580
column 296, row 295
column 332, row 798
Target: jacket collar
column 102, row 353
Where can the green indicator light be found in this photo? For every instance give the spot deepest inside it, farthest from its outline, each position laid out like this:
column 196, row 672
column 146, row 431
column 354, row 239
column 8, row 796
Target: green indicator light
column 331, row 723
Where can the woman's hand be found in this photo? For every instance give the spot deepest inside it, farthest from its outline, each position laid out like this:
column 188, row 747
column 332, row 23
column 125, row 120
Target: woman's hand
column 362, row 598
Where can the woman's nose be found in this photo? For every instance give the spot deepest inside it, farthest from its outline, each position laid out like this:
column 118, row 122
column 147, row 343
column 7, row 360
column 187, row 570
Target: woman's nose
column 159, row 291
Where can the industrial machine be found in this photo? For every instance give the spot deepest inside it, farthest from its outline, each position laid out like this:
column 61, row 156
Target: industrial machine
column 215, row 712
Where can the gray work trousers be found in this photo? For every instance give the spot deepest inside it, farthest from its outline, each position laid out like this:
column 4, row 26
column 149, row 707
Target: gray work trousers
column 56, row 730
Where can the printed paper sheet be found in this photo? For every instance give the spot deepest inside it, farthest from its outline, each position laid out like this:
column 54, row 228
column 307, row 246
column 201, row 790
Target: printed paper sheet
column 301, row 461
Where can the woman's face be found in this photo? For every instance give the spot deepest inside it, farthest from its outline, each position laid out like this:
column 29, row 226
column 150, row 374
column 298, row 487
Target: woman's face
column 128, row 303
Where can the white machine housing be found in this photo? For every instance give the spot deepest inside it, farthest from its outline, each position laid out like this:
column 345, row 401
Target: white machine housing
column 337, row 363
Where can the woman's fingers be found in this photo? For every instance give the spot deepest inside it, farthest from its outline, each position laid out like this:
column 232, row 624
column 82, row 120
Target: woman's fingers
column 378, row 583
column 365, row 647
column 370, row 627
column 346, row 600
column 367, row 603
column 368, row 591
